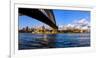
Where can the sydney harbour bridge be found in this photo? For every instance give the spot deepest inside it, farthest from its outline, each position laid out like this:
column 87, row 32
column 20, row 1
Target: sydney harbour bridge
column 43, row 15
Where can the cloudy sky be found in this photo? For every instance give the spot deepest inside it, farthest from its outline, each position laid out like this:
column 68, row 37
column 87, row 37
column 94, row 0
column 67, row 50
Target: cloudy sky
column 62, row 17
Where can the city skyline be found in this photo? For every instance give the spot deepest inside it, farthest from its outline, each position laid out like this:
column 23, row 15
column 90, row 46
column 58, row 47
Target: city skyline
column 60, row 29
column 62, row 17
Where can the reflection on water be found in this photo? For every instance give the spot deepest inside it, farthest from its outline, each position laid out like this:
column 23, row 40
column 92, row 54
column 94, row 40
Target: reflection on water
column 39, row 41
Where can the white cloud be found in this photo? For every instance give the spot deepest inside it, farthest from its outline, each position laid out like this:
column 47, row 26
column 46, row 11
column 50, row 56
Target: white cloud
column 81, row 22
column 85, row 27
column 70, row 25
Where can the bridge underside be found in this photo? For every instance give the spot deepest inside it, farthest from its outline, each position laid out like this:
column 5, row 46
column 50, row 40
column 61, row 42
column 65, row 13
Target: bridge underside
column 43, row 15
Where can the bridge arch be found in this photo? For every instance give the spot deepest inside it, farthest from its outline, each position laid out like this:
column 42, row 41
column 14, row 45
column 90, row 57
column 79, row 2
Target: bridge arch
column 44, row 15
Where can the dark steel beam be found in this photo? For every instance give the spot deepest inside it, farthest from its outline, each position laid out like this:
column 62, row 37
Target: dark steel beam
column 39, row 15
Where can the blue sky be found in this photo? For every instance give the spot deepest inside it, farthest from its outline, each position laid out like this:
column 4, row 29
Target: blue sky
column 62, row 17
column 66, row 17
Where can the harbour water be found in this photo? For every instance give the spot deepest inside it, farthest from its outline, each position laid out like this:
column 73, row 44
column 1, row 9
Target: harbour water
column 41, row 41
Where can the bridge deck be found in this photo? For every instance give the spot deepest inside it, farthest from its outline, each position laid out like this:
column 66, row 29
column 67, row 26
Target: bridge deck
column 45, row 16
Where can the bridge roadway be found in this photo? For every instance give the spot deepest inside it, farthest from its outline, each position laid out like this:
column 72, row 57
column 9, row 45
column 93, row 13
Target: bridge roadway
column 44, row 15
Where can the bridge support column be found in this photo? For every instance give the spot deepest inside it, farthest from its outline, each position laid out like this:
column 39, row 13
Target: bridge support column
column 54, row 31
